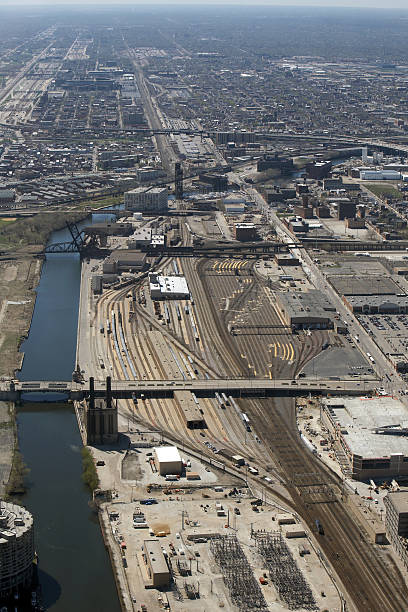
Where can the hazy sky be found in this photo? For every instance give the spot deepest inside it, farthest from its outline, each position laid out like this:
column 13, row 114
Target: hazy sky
column 388, row 4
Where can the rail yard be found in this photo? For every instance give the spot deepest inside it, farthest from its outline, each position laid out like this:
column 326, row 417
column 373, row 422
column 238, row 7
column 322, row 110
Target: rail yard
column 231, row 327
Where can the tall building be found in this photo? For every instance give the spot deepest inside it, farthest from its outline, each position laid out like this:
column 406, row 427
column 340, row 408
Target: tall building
column 152, row 200
column 16, row 549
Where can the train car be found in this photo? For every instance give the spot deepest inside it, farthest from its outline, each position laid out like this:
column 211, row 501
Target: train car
column 178, row 312
column 245, row 421
column 102, row 329
column 167, row 314
column 225, row 399
column 108, row 326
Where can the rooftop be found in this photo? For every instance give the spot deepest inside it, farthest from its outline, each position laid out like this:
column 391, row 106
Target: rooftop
column 358, row 418
column 399, row 499
column 14, row 520
column 311, row 303
column 363, row 285
column 167, row 454
column 155, row 554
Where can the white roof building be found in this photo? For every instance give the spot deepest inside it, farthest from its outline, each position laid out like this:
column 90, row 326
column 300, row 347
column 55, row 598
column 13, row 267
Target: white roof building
column 168, row 287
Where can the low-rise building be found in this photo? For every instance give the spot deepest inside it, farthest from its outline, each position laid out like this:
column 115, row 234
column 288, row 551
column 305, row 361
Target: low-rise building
column 377, row 304
column 156, row 563
column 122, row 260
column 168, row 287
column 309, row 310
column 372, row 433
column 168, row 460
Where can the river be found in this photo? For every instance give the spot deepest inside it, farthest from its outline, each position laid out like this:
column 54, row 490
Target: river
column 75, row 571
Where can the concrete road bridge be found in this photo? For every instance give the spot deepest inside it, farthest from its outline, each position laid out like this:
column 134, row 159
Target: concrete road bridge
column 239, row 387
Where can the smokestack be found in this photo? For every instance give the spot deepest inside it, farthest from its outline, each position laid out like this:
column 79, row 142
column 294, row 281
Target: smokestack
column 108, row 392
column 91, row 393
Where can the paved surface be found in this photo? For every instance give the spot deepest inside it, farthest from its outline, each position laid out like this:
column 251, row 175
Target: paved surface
column 342, row 362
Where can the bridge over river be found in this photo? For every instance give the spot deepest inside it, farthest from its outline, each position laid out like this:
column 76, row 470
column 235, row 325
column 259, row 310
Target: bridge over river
column 238, row 387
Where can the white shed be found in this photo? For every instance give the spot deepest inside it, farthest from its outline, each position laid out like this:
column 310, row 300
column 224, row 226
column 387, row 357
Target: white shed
column 168, row 460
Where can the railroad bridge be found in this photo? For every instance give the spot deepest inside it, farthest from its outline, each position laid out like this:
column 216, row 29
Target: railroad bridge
column 239, row 387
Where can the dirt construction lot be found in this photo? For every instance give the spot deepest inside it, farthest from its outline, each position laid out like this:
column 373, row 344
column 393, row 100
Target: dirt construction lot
column 19, row 277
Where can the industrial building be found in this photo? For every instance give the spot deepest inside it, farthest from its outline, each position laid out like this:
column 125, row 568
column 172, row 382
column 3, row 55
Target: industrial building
column 371, row 432
column 122, row 260
column 245, row 232
column 147, row 200
column 318, row 170
column 156, row 563
column 101, row 417
column 308, row 310
column 367, row 285
column 168, row 460
column 168, row 287
column 380, row 175
column 286, row 259
column 370, row 294
column 16, row 549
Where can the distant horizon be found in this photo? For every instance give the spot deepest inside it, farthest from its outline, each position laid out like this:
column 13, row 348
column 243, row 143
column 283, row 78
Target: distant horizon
column 328, row 4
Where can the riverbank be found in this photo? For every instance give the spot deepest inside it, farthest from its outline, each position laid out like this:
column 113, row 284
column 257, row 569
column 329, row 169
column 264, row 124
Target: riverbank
column 7, row 444
column 20, row 272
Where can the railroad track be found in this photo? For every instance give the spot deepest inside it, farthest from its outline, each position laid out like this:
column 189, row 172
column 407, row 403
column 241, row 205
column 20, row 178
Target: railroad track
column 370, row 584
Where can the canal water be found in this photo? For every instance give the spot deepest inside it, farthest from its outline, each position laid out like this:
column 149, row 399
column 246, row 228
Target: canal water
column 74, row 567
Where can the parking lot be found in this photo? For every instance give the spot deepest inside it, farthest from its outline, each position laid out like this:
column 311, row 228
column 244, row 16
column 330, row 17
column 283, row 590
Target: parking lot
column 390, row 333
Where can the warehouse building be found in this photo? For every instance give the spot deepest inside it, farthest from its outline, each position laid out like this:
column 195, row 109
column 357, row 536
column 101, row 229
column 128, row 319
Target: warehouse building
column 122, row 260
column 168, row 460
column 16, row 549
column 168, row 287
column 156, row 563
column 377, row 304
column 152, row 200
column 308, row 310
column 372, row 434
column 364, row 285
